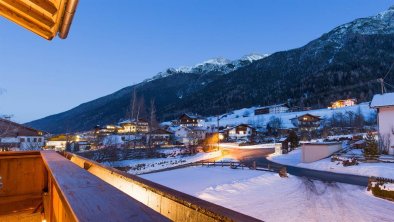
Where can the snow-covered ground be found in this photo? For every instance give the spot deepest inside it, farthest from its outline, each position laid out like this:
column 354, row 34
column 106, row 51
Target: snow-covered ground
column 139, row 166
column 247, row 116
column 268, row 197
column 366, row 169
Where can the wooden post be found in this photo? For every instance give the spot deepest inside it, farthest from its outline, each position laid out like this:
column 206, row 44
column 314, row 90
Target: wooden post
column 254, row 165
column 283, row 172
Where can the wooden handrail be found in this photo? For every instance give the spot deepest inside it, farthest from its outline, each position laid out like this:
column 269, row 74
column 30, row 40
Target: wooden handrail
column 90, row 199
column 171, row 203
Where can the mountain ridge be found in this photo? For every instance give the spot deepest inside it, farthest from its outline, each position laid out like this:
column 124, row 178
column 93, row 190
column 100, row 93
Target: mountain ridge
column 344, row 62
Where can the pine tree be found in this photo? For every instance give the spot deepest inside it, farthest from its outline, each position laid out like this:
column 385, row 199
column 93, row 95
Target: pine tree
column 293, row 139
column 371, row 147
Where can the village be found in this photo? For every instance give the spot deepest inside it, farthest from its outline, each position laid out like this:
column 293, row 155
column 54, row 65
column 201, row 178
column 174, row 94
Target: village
column 275, row 124
column 246, row 128
column 300, row 129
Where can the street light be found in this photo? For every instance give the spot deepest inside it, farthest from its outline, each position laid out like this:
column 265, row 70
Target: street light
column 218, row 119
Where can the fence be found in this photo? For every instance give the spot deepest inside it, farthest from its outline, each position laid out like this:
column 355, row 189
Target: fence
column 381, row 179
column 234, row 165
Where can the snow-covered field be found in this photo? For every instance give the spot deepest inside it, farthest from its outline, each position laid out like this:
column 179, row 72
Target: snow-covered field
column 246, row 115
column 366, row 169
column 268, row 197
column 139, row 166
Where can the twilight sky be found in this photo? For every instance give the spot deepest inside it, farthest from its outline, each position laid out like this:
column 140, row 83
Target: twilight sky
column 113, row 44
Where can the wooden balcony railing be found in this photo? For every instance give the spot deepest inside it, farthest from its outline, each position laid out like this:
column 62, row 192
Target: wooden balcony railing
column 40, row 186
column 46, row 186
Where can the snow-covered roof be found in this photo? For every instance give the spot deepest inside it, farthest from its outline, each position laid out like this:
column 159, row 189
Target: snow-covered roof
column 196, row 128
column 273, row 106
column 191, row 116
column 380, row 100
column 129, row 121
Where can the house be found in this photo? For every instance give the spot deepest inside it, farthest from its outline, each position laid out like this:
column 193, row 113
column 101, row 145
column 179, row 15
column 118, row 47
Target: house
column 106, row 130
column 133, row 126
column 306, row 122
column 274, row 109
column 62, row 141
column 242, row 131
column 343, row 103
column 384, row 103
column 159, row 137
column 80, row 145
column 190, row 135
column 14, row 136
column 189, row 120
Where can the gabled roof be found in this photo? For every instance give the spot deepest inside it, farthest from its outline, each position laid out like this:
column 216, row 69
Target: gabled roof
column 242, row 124
column 307, row 114
column 381, row 100
column 129, row 121
column 273, row 106
column 62, row 137
column 13, row 129
column 191, row 116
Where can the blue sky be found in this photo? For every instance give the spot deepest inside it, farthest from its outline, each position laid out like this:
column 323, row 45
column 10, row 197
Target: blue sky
column 113, row 44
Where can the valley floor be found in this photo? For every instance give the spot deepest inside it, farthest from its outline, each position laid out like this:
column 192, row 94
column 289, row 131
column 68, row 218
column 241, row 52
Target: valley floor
column 365, row 169
column 270, row 198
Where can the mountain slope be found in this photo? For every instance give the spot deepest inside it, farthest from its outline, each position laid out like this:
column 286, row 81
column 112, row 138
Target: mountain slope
column 165, row 88
column 344, row 62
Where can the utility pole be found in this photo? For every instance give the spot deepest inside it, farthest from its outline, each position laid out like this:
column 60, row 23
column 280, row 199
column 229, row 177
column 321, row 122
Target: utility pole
column 381, row 81
column 218, row 134
column 219, row 118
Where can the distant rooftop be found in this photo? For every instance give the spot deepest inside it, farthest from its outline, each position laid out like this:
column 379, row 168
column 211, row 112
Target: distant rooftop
column 380, row 100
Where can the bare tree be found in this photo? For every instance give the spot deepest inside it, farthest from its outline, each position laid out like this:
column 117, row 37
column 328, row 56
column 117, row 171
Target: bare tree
column 132, row 106
column 385, row 142
column 152, row 117
column 274, row 124
column 359, row 119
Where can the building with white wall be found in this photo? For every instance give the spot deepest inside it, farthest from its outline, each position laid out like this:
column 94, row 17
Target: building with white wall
column 14, row 136
column 242, row 131
column 384, row 103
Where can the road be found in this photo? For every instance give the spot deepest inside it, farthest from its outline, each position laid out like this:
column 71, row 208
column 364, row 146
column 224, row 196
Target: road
column 259, row 156
column 315, row 174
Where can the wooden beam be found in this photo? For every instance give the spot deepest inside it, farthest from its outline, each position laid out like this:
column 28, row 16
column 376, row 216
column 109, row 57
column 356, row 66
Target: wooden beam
column 25, row 22
column 50, row 6
column 58, row 17
column 28, row 9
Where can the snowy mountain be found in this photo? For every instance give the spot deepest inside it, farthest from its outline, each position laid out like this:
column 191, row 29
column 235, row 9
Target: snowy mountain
column 220, row 65
column 343, row 63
